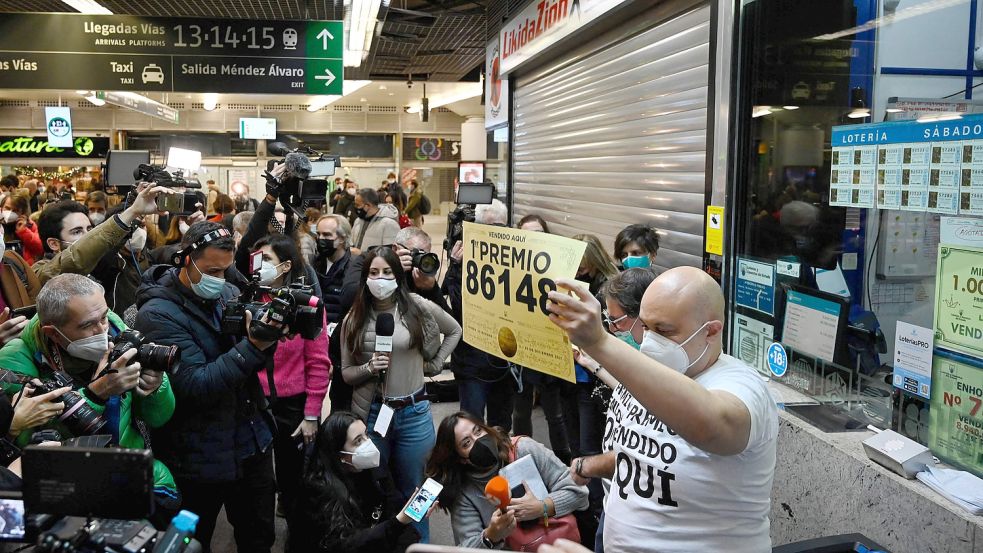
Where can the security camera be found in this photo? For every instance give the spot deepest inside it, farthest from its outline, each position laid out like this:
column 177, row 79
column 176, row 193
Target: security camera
column 409, row 83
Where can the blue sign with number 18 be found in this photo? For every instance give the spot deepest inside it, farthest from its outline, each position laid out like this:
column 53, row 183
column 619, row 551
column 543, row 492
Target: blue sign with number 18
column 777, row 360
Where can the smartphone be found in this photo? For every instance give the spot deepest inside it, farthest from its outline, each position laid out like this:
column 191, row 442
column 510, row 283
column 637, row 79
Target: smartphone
column 28, row 311
column 255, row 262
column 424, row 499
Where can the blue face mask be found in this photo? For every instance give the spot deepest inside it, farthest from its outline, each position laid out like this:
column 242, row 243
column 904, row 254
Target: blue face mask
column 627, row 337
column 208, row 287
column 633, row 261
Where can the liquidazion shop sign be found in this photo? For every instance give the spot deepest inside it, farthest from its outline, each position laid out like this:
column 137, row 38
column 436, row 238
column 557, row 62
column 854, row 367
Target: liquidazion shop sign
column 38, row 146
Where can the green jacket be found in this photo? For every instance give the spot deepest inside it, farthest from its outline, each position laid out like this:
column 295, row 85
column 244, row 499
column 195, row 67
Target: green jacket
column 413, row 205
column 21, row 356
column 82, row 257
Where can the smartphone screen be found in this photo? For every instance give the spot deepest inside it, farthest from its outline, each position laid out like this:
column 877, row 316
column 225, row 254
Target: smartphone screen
column 424, row 499
column 12, row 520
column 255, row 261
column 172, row 203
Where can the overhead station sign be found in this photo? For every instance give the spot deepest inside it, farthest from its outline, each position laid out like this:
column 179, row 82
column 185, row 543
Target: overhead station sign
column 165, row 54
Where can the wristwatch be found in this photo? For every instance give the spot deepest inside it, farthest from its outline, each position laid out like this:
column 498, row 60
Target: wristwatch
column 486, row 542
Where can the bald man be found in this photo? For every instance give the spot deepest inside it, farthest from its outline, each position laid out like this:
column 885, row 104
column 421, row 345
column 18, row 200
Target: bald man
column 691, row 431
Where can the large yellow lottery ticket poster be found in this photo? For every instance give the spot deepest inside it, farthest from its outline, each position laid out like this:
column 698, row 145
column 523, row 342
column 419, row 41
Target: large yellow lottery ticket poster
column 508, row 274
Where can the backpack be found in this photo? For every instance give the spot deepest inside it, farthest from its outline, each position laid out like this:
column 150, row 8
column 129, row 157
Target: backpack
column 424, row 205
column 18, row 283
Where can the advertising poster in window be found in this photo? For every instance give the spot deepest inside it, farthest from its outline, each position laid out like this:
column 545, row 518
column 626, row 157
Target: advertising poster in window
column 959, row 299
column 934, row 167
column 507, row 276
column 956, row 427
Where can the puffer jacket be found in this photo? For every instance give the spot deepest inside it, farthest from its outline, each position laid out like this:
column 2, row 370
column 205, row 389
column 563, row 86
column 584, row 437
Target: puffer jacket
column 434, row 351
column 26, row 356
column 221, row 417
column 380, row 230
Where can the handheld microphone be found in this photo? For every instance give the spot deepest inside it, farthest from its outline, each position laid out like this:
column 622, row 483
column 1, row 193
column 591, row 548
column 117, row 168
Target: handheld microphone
column 498, row 487
column 385, row 326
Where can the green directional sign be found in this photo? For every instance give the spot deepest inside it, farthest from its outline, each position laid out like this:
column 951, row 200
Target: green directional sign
column 326, row 39
column 324, row 77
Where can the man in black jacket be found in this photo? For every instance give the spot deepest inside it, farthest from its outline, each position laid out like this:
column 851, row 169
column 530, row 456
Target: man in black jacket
column 484, row 381
column 334, row 235
column 217, row 444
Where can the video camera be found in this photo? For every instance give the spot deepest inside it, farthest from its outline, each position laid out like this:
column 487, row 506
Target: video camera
column 184, row 203
column 303, row 178
column 151, row 356
column 160, row 176
column 295, row 306
column 78, row 416
column 468, row 198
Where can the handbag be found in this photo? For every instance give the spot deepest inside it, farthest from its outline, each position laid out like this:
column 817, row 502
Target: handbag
column 529, row 535
column 404, row 221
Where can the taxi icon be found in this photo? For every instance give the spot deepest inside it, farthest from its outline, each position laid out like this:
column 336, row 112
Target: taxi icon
column 289, row 39
column 152, row 74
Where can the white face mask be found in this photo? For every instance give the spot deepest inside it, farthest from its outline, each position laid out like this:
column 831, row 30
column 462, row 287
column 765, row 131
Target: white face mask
column 183, row 227
column 382, row 288
column 670, row 353
column 92, row 348
column 97, row 218
column 365, row 456
column 8, row 216
column 137, row 241
column 350, row 191
column 268, row 273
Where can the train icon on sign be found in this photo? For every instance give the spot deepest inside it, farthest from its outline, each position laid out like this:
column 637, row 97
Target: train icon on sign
column 289, row 39
column 152, row 74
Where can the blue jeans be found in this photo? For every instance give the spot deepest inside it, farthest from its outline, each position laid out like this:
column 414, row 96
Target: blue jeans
column 405, row 450
column 599, row 538
column 479, row 396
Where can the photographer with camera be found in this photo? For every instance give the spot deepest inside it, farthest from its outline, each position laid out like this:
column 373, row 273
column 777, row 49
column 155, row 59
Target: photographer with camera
column 298, row 382
column 484, row 382
column 69, row 245
column 377, row 222
column 68, row 343
column 218, row 441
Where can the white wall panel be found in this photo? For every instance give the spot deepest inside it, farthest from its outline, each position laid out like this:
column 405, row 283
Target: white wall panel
column 619, row 137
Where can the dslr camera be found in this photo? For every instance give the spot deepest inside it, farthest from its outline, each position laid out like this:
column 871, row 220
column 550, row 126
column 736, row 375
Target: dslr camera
column 428, row 263
column 151, row 356
column 295, row 306
column 184, row 203
column 78, row 417
column 468, row 198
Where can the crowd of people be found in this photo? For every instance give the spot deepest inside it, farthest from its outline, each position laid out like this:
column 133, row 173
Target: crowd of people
column 663, row 443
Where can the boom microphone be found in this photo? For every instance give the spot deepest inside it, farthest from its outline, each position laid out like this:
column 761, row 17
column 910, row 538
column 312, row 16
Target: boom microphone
column 277, row 148
column 298, row 165
column 385, row 326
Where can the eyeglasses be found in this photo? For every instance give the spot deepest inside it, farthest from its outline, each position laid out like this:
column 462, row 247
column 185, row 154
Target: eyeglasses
column 609, row 321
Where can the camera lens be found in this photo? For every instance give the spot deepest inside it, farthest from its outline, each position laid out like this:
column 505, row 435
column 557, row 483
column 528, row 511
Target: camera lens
column 428, row 263
column 79, row 417
column 160, row 358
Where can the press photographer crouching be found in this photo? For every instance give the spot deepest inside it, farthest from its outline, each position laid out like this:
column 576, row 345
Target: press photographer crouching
column 90, row 386
column 218, row 442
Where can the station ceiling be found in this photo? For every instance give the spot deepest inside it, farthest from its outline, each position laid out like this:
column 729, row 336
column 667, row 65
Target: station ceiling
column 433, row 40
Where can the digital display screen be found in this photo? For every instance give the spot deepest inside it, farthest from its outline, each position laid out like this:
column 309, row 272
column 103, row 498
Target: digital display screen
column 12, row 520
column 257, row 128
column 470, row 172
column 811, row 324
column 121, row 164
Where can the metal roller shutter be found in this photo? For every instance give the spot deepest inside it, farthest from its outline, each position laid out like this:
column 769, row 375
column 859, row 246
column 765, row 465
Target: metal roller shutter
column 619, row 137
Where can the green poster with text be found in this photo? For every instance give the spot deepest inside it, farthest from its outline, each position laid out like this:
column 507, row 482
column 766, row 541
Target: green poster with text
column 956, row 416
column 959, row 299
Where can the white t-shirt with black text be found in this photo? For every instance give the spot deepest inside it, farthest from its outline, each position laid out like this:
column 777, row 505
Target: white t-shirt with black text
column 668, row 496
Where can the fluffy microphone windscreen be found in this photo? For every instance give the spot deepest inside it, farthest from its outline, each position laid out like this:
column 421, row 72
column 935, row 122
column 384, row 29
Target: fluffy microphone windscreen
column 298, row 165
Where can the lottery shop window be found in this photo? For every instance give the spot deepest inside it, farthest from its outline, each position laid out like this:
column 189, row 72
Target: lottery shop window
column 856, row 150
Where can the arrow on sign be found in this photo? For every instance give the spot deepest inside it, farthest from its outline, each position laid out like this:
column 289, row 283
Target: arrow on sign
column 328, row 78
column 324, row 35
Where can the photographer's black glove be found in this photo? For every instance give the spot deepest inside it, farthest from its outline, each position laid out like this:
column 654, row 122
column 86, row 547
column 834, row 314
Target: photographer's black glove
column 273, row 186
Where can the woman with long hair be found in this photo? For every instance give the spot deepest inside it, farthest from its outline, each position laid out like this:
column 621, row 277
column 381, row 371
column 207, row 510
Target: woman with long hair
column 348, row 502
column 468, row 454
column 301, row 372
column 393, row 383
column 597, row 266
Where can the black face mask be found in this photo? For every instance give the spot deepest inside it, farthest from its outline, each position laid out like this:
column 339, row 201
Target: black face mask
column 361, row 213
column 325, row 247
column 484, row 453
